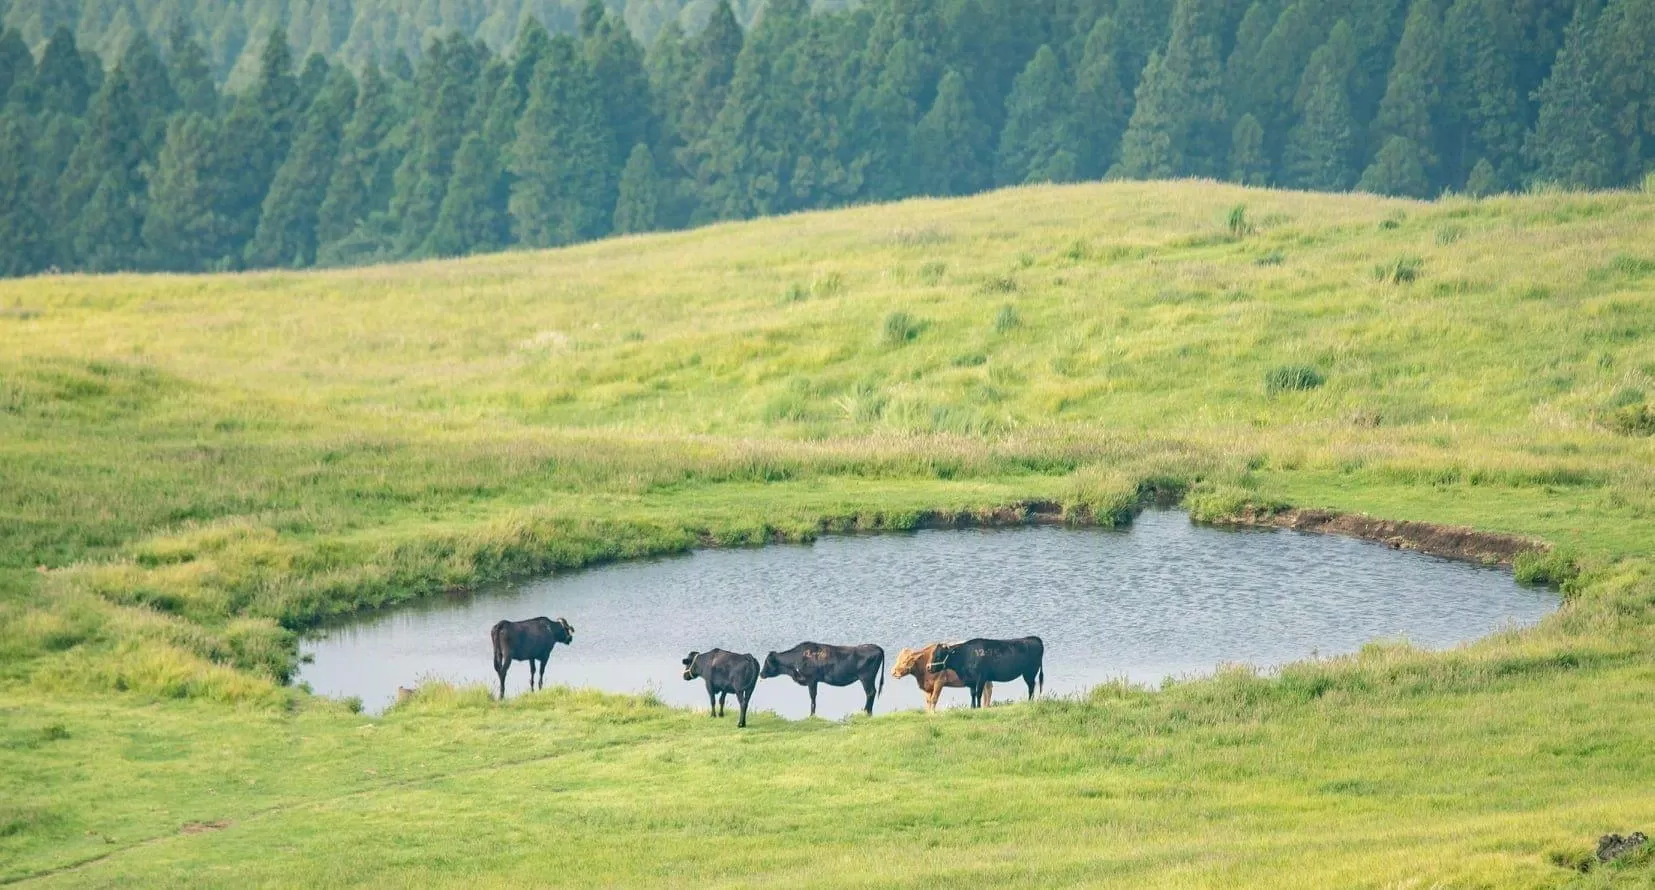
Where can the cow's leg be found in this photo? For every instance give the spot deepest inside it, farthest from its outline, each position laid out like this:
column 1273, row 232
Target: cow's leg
column 932, row 693
column 868, row 687
column 977, row 694
column 813, row 698
column 543, row 662
column 741, row 702
column 501, row 667
column 988, row 694
column 722, row 698
column 1029, row 679
column 712, row 701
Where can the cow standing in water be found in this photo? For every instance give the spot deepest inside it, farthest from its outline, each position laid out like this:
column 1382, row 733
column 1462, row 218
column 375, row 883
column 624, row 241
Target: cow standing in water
column 980, row 662
column 810, row 664
column 921, row 664
column 724, row 673
column 529, row 641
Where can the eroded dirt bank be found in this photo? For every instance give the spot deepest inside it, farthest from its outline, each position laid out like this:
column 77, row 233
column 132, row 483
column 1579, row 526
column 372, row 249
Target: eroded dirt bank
column 1452, row 541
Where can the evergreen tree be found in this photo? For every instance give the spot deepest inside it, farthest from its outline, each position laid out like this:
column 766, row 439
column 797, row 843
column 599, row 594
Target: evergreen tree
column 311, row 79
column 1178, row 125
column 714, row 51
column 1488, row 115
column 152, row 91
column 560, row 194
column 711, row 63
column 1143, row 26
column 951, row 143
column 1269, row 87
column 972, row 49
column 532, row 44
column 1625, row 36
column 56, row 137
column 61, row 81
column 473, row 214
column 915, row 24
column 185, row 229
column 20, row 220
column 1037, row 144
column 102, row 188
column 1321, row 147
column 257, row 134
column 1241, row 71
column 361, row 181
column 1248, row 163
column 1412, row 105
column 639, row 206
column 16, row 68
column 617, row 65
column 1377, row 26
column 1573, row 142
column 189, row 72
column 1102, row 106
column 287, row 231
column 745, row 162
column 107, row 232
column 820, row 157
column 668, row 64
column 883, row 117
column 447, row 82
column 1397, row 170
column 1483, row 181
column 592, row 16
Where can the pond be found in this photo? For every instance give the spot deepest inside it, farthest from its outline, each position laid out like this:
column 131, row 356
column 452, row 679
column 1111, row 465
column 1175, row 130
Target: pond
column 1162, row 598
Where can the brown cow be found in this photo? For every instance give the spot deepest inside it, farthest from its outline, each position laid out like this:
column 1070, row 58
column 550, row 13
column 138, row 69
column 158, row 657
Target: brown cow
column 917, row 663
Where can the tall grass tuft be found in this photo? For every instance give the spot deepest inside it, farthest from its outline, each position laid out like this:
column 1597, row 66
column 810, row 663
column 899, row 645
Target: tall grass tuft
column 1558, row 568
column 1006, row 319
column 1101, row 495
column 830, row 284
column 1292, row 378
column 1237, row 223
column 1402, row 270
column 899, row 329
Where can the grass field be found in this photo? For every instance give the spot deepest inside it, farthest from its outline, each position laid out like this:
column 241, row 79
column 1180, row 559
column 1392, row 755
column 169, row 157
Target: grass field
column 192, row 469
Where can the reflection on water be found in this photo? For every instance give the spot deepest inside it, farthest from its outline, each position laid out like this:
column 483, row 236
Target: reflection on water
column 1164, row 598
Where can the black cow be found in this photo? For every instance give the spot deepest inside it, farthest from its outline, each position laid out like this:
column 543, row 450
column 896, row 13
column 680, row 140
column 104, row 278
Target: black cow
column 980, row 662
column 724, row 672
column 529, row 641
column 812, row 663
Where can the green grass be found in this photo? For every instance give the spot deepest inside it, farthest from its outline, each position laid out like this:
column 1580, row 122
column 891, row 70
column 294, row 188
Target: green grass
column 194, row 469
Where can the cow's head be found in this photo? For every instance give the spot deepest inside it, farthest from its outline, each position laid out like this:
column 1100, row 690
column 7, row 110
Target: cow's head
column 772, row 666
column 691, row 671
column 567, row 630
column 907, row 661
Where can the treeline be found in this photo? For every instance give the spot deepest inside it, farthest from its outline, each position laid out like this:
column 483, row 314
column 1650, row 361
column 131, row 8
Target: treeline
column 355, row 32
column 573, row 137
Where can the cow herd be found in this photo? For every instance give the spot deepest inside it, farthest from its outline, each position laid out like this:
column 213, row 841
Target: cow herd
column 974, row 665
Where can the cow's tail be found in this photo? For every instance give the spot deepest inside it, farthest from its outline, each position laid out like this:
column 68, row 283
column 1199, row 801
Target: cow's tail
column 881, row 676
column 495, row 636
column 1042, row 679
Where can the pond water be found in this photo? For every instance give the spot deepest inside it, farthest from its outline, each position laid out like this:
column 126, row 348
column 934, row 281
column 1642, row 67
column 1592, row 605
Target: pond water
column 1162, row 598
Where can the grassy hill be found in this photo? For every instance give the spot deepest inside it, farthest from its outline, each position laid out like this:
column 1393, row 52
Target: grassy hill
column 191, row 468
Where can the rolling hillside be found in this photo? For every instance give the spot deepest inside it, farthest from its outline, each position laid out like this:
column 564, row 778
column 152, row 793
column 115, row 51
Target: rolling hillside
column 193, row 468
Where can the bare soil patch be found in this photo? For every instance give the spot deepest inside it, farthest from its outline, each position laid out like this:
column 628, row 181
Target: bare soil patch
column 1451, row 541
